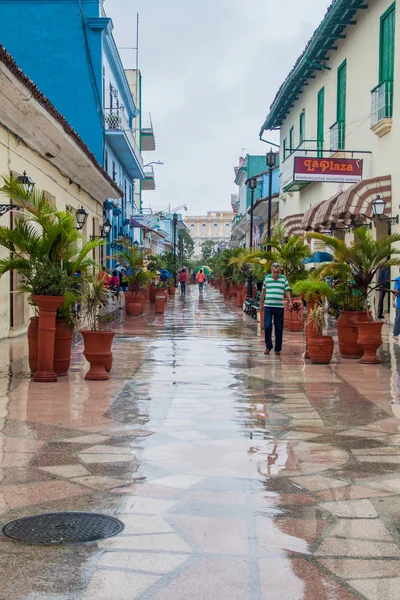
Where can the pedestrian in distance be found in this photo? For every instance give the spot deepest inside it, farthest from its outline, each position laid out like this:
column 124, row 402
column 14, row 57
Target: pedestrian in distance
column 275, row 288
column 123, row 287
column 200, row 280
column 182, row 281
column 396, row 305
column 114, row 287
column 384, row 288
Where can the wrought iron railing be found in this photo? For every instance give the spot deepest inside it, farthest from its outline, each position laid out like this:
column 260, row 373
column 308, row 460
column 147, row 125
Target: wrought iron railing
column 115, row 119
column 337, row 141
column 382, row 102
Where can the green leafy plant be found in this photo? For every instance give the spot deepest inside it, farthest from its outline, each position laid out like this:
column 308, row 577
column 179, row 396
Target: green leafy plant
column 312, row 290
column 94, row 296
column 365, row 257
column 316, row 316
column 132, row 260
column 45, row 279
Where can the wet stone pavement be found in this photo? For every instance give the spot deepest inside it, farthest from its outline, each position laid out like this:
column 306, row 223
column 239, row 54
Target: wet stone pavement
column 238, row 476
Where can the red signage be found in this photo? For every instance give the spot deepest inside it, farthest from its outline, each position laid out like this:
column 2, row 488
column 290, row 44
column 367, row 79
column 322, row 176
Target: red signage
column 336, row 170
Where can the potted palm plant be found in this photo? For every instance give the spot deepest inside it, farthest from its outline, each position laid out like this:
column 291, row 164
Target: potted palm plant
column 160, row 295
column 97, row 343
column 365, row 258
column 132, row 260
column 44, row 238
column 314, row 292
column 320, row 347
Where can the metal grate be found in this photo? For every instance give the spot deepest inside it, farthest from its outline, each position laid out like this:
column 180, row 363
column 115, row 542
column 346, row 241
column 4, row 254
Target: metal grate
column 63, row 528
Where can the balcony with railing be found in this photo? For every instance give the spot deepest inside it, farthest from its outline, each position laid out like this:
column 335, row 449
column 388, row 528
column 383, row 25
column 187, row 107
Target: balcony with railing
column 147, row 135
column 148, row 183
column 337, row 136
column 122, row 140
column 382, row 108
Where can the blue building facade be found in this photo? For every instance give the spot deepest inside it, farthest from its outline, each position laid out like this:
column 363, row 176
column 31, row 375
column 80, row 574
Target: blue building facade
column 67, row 48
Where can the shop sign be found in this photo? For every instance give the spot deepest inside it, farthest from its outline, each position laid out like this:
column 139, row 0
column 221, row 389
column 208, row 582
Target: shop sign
column 335, row 170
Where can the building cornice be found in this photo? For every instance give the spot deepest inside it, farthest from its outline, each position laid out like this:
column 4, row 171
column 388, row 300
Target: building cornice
column 339, row 15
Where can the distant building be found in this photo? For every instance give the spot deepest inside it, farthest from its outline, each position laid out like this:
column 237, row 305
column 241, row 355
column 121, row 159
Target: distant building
column 216, row 226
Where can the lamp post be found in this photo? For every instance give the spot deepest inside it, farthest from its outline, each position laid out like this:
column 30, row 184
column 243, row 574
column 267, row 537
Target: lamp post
column 81, row 217
column 378, row 206
column 271, row 162
column 175, row 222
column 251, row 184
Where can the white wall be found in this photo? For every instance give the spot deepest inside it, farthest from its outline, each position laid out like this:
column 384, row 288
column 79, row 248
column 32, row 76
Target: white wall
column 361, row 51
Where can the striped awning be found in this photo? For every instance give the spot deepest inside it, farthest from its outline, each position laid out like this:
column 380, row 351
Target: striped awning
column 307, row 223
column 324, row 216
column 292, row 224
column 357, row 200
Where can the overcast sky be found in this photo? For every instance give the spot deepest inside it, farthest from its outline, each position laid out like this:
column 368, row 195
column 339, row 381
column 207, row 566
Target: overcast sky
column 210, row 71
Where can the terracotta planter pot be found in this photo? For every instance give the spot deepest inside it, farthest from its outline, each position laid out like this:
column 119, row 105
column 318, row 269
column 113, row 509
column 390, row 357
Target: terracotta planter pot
column 370, row 339
column 239, row 296
column 171, row 290
column 295, row 321
column 160, row 301
column 147, row 294
column 321, row 349
column 233, row 292
column 62, row 348
column 97, row 351
column 152, row 292
column 348, row 333
column 227, row 293
column 47, row 306
column 33, row 333
column 244, row 294
column 134, row 304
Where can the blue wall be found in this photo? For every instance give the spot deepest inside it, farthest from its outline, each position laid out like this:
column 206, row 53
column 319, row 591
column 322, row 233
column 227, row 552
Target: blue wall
column 51, row 43
column 275, row 184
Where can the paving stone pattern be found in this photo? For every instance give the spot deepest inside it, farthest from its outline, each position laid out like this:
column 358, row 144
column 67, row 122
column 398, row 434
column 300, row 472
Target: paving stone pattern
column 238, row 476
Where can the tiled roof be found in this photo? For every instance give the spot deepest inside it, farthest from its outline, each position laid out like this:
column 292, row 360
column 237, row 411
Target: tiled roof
column 12, row 66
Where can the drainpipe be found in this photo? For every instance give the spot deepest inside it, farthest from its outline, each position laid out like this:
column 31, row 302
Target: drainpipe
column 267, row 142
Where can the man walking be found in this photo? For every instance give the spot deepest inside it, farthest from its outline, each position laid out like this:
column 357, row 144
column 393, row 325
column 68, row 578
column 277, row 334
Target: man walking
column 275, row 288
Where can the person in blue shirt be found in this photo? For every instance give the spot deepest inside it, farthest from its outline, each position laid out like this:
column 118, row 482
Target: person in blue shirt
column 396, row 305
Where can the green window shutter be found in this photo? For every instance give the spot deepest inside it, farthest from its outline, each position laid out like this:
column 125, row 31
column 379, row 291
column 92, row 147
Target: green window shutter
column 341, row 104
column 320, row 121
column 302, row 126
column 284, row 148
column 291, row 139
column 387, row 45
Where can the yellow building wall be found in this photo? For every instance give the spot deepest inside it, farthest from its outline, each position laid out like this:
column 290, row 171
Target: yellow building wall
column 16, row 157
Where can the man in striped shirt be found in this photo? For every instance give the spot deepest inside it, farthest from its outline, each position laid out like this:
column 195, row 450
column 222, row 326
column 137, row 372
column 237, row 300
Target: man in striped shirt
column 275, row 288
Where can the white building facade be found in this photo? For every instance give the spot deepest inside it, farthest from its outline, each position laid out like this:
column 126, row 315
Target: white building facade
column 215, row 226
column 341, row 103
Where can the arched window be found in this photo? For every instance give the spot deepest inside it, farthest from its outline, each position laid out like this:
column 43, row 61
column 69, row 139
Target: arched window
column 204, row 227
column 215, row 226
column 227, row 226
column 192, row 226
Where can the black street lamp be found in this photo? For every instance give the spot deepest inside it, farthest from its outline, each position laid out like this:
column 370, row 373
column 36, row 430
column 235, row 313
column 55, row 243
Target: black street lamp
column 81, row 217
column 251, row 183
column 271, row 162
column 27, row 182
column 175, row 222
column 104, row 231
column 135, row 244
column 378, row 207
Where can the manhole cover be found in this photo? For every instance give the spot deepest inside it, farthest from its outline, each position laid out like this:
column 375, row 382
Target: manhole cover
column 63, row 528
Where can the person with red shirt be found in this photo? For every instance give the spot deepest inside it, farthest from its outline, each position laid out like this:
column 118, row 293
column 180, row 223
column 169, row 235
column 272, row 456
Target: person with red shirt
column 182, row 281
column 200, row 280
